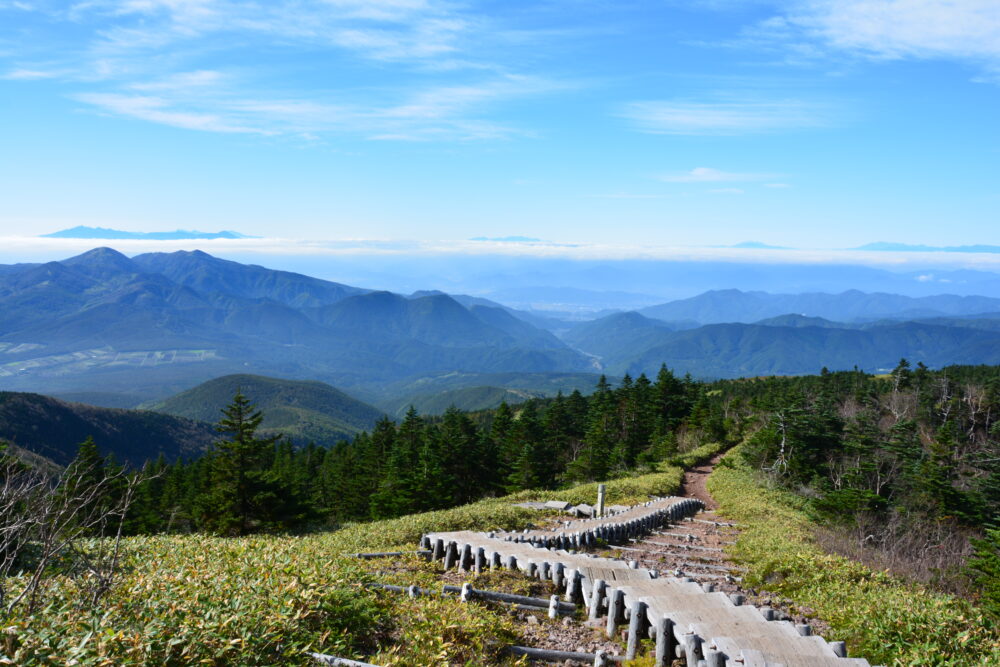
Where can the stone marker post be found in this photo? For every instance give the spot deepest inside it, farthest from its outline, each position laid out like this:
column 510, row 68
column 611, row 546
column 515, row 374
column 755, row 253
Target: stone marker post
column 600, row 499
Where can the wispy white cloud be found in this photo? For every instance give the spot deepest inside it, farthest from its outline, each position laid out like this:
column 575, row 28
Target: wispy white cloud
column 158, row 60
column 158, row 110
column 181, row 81
column 28, row 75
column 208, row 101
column 709, row 175
column 725, row 117
column 948, row 29
column 821, row 31
column 627, row 195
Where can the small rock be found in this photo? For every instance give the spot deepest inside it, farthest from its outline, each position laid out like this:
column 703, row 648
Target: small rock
column 567, row 621
column 532, row 620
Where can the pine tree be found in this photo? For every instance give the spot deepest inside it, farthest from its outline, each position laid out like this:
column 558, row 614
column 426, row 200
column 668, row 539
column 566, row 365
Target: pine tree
column 594, row 460
column 244, row 493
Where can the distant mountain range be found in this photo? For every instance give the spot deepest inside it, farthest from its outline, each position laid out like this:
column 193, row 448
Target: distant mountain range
column 300, row 410
column 733, row 305
column 757, row 245
column 906, row 247
column 159, row 323
column 785, row 345
column 118, row 331
column 82, row 232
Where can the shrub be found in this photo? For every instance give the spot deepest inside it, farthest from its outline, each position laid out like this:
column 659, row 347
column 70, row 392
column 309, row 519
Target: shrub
column 881, row 617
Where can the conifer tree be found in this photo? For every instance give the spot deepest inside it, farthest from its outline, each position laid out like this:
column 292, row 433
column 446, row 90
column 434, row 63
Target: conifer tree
column 243, row 493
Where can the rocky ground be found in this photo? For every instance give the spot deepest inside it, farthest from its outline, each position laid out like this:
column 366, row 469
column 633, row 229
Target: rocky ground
column 693, row 548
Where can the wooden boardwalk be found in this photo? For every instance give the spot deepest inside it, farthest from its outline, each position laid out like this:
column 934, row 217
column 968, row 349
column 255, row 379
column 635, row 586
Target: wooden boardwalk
column 685, row 620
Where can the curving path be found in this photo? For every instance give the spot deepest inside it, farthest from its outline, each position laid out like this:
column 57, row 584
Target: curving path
column 700, row 622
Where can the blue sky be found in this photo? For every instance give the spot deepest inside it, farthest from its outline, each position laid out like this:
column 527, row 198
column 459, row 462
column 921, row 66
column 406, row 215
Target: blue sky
column 811, row 123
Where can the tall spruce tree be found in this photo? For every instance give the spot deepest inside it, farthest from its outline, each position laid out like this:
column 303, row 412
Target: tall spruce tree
column 243, row 495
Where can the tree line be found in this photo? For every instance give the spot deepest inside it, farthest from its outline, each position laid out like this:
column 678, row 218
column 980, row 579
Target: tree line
column 248, row 483
column 916, row 448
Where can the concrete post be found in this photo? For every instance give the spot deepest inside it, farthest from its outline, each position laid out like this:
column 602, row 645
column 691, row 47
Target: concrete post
column 553, row 606
column 600, row 499
column 616, row 600
column 596, row 598
column 664, row 642
column 635, row 627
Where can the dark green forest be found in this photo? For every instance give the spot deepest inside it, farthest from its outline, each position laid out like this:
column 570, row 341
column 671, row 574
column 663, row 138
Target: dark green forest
column 903, row 467
column 427, row 463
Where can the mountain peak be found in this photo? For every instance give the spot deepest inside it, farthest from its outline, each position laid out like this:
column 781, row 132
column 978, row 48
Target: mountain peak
column 101, row 260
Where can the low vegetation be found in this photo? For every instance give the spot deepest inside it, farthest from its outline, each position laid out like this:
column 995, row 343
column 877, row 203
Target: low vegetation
column 882, row 617
column 267, row 599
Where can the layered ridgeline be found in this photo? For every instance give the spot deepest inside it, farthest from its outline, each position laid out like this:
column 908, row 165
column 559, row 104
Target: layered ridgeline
column 785, row 345
column 83, row 327
column 160, row 323
column 50, row 428
column 302, row 411
column 733, row 305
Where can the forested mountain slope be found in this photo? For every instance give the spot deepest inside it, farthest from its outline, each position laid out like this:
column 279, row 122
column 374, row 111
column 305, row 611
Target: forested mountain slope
column 304, row 411
column 787, row 345
column 53, row 429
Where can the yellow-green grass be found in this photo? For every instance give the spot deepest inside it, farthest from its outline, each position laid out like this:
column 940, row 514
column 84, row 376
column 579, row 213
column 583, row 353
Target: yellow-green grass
column 267, row 600
column 884, row 619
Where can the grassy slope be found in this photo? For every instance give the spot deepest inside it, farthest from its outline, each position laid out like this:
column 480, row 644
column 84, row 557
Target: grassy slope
column 267, row 599
column 882, row 618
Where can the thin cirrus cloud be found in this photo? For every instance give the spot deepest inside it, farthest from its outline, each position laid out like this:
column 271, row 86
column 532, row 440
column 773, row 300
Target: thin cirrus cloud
column 432, row 73
column 966, row 31
column 207, row 101
column 724, row 117
column 710, row 175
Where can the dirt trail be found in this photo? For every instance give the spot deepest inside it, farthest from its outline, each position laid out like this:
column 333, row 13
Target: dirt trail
column 694, row 484
column 692, row 548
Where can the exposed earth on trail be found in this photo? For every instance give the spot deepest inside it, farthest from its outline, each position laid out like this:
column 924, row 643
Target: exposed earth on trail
column 691, row 548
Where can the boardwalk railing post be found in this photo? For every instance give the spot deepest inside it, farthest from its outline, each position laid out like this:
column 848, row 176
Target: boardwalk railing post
column 664, row 642
column 616, row 602
column 450, row 555
column 554, row 606
column 480, row 560
column 465, row 560
column 635, row 628
column 597, row 599
column 715, row 658
column 466, row 594
column 692, row 647
column 558, row 575
column 573, row 593
column 839, row 649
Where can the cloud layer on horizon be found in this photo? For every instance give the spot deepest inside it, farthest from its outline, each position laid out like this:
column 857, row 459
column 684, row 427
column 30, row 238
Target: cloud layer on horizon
column 37, row 249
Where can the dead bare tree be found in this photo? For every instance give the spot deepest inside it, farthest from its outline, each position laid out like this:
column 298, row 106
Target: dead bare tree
column 75, row 519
